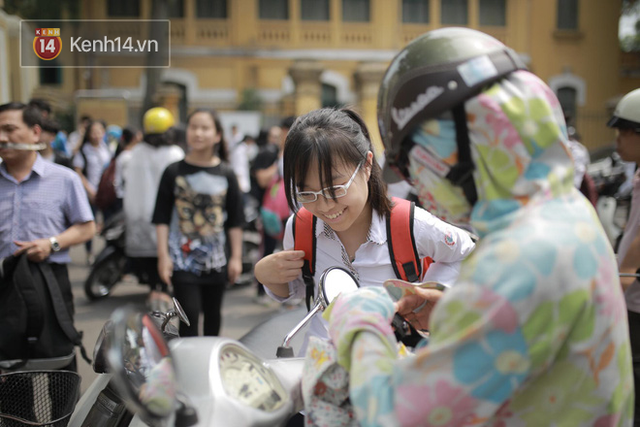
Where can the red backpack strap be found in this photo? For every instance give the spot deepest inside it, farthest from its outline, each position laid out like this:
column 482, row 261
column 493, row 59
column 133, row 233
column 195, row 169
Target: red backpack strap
column 304, row 239
column 402, row 244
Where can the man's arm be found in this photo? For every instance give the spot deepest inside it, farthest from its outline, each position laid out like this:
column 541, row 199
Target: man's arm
column 38, row 250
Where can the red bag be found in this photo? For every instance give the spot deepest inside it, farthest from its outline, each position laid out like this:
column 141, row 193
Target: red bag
column 106, row 193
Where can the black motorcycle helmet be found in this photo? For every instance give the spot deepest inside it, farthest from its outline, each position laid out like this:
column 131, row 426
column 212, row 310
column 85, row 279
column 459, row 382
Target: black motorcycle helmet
column 433, row 76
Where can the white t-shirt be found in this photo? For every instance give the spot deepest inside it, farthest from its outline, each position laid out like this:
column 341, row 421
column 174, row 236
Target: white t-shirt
column 240, row 165
column 632, row 294
column 445, row 244
column 97, row 160
column 118, row 178
column 142, row 178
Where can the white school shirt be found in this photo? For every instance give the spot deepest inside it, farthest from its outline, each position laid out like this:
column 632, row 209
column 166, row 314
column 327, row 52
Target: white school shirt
column 445, row 244
column 632, row 294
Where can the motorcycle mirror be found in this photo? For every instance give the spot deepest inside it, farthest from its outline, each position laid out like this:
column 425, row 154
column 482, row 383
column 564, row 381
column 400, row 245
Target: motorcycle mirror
column 333, row 282
column 141, row 364
column 180, row 312
column 176, row 311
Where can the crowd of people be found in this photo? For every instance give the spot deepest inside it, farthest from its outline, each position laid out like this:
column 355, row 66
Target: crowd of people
column 529, row 326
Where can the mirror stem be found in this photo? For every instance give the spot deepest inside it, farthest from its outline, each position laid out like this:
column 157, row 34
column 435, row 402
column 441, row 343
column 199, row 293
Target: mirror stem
column 294, row 331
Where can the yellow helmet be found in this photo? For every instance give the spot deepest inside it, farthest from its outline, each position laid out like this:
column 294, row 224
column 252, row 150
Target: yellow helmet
column 157, row 120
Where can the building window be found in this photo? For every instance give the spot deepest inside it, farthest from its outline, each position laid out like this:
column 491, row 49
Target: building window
column 454, row 12
column 415, row 11
column 216, row 9
column 355, row 11
column 329, row 96
column 567, row 14
column 314, row 10
column 493, row 12
column 274, row 9
column 120, row 8
column 568, row 99
column 51, row 76
column 175, row 8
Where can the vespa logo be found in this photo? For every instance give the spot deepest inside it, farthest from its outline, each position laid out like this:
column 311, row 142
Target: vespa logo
column 403, row 115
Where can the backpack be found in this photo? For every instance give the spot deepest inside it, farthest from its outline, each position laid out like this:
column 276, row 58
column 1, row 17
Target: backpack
column 34, row 319
column 401, row 242
column 106, row 192
column 274, row 209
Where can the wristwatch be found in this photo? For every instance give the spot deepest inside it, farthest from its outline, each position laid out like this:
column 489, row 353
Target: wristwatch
column 55, row 246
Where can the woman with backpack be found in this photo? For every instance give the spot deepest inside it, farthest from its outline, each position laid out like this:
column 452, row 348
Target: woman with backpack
column 330, row 171
column 199, row 206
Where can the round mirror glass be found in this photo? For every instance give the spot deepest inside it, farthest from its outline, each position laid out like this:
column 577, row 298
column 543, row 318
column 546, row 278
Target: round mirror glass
column 334, row 281
column 140, row 361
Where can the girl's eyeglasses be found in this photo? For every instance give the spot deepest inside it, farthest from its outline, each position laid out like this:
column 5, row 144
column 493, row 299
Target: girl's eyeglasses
column 338, row 190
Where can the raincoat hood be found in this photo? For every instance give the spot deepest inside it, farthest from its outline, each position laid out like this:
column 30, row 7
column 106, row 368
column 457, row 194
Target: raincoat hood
column 518, row 144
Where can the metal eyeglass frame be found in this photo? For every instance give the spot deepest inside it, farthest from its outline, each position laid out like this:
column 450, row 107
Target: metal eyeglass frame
column 328, row 189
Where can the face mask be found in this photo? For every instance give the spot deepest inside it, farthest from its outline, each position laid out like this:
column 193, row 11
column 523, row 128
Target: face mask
column 430, row 160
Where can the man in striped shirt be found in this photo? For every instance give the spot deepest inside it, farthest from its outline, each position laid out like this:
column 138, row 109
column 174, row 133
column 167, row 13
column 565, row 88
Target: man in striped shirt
column 43, row 206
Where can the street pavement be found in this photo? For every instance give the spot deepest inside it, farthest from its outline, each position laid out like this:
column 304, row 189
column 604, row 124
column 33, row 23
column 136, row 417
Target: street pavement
column 240, row 312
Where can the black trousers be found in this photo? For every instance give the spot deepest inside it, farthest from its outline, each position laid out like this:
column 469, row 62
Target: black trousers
column 200, row 295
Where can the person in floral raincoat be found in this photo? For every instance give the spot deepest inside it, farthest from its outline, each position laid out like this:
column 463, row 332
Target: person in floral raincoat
column 534, row 333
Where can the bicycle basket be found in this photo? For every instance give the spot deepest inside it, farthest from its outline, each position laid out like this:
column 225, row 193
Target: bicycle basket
column 38, row 398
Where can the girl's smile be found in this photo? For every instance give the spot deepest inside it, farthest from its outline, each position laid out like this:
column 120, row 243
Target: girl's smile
column 341, row 213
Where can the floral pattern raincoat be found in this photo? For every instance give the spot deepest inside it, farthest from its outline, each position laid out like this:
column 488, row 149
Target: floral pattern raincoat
column 534, row 333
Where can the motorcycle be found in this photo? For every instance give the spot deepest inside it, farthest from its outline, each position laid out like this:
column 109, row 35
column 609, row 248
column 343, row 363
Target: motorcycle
column 112, row 264
column 38, row 398
column 150, row 376
column 614, row 198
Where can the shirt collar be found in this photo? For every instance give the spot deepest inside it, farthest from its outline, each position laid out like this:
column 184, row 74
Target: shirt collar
column 39, row 167
column 377, row 230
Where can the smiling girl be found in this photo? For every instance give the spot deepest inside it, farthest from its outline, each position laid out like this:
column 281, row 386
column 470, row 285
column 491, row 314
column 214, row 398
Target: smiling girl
column 329, row 168
column 198, row 200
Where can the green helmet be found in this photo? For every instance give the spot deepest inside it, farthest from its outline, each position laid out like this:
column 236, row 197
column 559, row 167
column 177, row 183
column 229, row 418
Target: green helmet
column 627, row 113
column 434, row 73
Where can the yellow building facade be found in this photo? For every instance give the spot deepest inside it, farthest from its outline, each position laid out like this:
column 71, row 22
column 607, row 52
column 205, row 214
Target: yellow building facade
column 297, row 55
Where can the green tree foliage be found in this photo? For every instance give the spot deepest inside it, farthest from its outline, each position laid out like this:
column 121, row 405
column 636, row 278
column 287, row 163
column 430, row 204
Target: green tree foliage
column 631, row 42
column 251, row 100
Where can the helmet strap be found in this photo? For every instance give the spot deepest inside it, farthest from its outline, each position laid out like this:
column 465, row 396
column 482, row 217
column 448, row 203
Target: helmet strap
column 461, row 174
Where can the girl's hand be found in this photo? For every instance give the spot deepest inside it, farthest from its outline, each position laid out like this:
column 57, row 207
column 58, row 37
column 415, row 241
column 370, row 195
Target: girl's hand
column 279, row 268
column 234, row 269
column 417, row 308
column 165, row 269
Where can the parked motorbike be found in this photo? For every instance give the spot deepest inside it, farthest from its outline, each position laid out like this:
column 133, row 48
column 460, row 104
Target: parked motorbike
column 150, row 377
column 38, row 398
column 110, row 265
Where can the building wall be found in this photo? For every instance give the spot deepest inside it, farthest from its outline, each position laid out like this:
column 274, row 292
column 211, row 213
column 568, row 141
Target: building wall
column 216, row 60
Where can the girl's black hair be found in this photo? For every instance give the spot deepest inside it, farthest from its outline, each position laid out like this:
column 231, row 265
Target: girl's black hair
column 223, row 151
column 87, row 131
column 326, row 136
